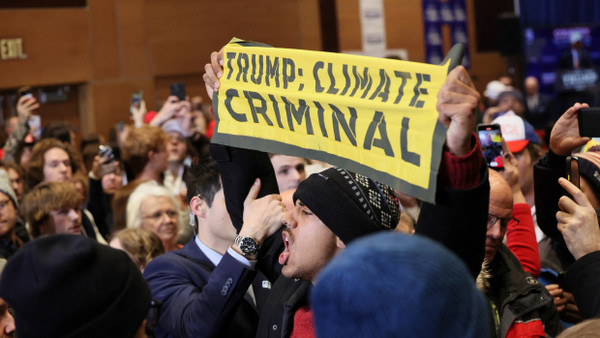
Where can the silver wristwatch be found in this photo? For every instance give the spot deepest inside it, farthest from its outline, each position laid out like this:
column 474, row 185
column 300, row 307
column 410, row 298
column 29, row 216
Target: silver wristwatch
column 248, row 245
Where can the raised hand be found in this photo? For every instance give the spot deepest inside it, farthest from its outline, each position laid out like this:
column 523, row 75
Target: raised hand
column 263, row 216
column 214, row 71
column 577, row 221
column 565, row 137
column 457, row 103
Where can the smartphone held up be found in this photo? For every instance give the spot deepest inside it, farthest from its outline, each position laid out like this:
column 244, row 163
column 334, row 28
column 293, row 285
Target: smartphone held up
column 136, row 99
column 26, row 92
column 589, row 121
column 178, row 89
column 106, row 153
column 490, row 137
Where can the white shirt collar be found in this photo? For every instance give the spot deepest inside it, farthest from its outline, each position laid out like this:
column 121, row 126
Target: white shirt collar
column 214, row 256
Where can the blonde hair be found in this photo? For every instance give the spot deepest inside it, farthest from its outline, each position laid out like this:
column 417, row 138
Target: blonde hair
column 143, row 191
column 141, row 245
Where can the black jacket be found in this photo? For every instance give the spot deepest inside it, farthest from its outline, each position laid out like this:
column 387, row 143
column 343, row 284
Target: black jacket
column 583, row 279
column 546, row 173
column 519, row 296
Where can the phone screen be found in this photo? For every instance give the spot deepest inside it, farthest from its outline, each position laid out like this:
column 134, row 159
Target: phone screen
column 136, row 98
column 35, row 126
column 491, row 144
column 105, row 151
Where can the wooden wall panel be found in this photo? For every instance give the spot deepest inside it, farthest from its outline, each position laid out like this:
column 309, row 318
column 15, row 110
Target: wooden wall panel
column 404, row 27
column 350, row 36
column 310, row 27
column 106, row 49
column 131, row 21
column 109, row 101
column 56, row 42
column 181, row 37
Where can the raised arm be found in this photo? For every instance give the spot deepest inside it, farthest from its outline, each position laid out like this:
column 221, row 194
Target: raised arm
column 25, row 108
column 459, row 218
column 520, row 232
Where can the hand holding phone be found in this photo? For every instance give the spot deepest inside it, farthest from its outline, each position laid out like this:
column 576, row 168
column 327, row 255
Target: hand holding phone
column 26, row 92
column 490, row 137
column 26, row 104
column 136, row 99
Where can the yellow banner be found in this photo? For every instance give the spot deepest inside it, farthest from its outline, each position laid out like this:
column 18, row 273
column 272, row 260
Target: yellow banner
column 374, row 116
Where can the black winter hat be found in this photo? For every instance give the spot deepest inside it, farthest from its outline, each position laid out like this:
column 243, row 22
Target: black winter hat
column 71, row 286
column 349, row 204
column 589, row 167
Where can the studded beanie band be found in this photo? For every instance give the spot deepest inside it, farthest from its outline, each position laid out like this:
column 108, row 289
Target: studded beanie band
column 589, row 167
column 349, row 204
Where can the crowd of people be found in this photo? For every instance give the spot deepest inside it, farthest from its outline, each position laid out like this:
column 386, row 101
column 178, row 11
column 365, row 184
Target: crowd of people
column 158, row 232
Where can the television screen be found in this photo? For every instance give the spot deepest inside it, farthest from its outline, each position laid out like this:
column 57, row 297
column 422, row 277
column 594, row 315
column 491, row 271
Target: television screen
column 547, row 57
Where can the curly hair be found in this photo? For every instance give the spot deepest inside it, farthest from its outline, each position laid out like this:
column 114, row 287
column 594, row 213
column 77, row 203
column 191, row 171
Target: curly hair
column 46, row 197
column 141, row 245
column 34, row 172
column 139, row 142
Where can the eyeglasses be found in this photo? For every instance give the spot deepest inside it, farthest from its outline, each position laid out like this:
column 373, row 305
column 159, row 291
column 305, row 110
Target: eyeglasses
column 159, row 215
column 492, row 219
column 152, row 317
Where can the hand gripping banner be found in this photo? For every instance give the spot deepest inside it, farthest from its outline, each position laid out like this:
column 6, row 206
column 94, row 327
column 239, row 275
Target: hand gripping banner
column 370, row 115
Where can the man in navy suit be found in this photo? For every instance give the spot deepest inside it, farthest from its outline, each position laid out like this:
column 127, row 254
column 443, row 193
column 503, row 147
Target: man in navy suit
column 205, row 287
column 577, row 56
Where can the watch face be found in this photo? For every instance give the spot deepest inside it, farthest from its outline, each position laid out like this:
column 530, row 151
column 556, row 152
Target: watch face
column 248, row 246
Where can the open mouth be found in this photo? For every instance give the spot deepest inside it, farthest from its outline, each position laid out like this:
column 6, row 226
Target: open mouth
column 283, row 257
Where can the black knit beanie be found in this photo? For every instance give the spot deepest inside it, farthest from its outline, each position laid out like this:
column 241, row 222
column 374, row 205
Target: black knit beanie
column 589, row 167
column 349, row 204
column 71, row 286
